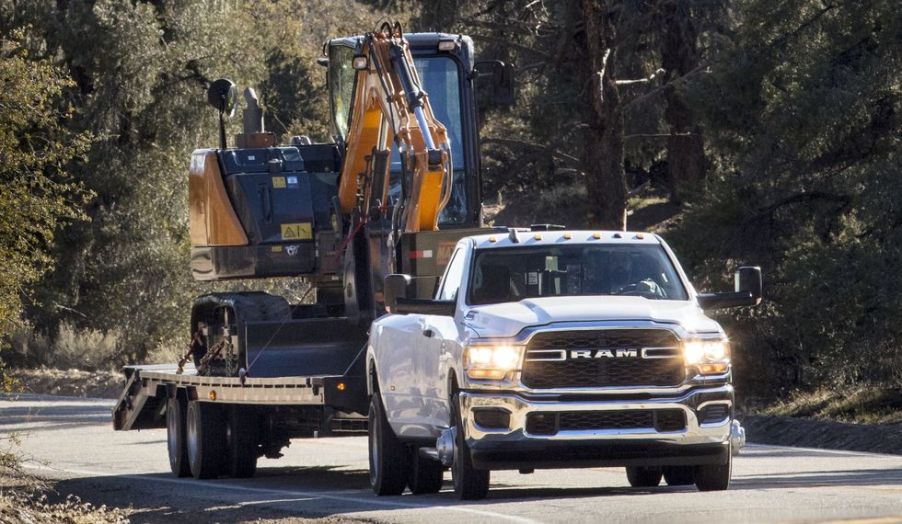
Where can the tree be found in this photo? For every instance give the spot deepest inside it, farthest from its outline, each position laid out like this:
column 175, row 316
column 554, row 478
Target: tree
column 36, row 195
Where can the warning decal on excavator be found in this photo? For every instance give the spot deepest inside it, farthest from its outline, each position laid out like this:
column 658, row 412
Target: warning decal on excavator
column 278, row 182
column 300, row 231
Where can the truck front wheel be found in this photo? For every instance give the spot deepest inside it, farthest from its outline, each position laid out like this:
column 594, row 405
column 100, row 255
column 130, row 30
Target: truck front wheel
column 469, row 483
column 388, row 456
column 205, row 434
column 425, row 475
column 714, row 477
column 175, row 437
column 642, row 477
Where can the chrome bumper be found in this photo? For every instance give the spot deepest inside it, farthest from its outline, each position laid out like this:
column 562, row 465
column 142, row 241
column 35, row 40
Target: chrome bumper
column 519, row 407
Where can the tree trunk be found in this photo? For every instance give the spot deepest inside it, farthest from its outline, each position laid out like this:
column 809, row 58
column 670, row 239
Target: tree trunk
column 603, row 135
column 685, row 146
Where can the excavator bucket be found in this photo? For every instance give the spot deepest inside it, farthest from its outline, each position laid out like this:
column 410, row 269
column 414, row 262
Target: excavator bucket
column 302, row 348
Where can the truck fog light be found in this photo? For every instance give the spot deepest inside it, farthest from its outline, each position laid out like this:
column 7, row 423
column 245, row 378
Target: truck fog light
column 492, row 418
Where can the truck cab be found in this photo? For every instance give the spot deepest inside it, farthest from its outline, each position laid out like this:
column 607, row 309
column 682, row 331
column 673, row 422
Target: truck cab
column 555, row 349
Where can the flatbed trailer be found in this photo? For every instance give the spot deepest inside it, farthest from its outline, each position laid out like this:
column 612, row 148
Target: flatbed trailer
column 222, row 425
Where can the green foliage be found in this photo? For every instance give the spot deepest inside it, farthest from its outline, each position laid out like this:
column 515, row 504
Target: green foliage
column 36, row 195
column 803, row 107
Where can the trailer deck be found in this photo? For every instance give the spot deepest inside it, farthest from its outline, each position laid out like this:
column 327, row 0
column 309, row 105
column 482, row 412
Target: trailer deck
column 142, row 403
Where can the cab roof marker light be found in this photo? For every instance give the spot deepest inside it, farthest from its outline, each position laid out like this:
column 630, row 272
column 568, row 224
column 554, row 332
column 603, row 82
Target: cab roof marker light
column 537, row 236
column 639, row 236
column 447, row 45
column 596, row 235
column 618, row 235
column 493, row 239
column 568, row 236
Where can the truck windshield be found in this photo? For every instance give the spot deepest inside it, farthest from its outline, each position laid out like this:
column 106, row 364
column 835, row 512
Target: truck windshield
column 440, row 79
column 513, row 274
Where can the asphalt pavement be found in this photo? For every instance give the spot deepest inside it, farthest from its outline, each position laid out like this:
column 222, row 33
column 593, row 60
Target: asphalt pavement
column 72, row 441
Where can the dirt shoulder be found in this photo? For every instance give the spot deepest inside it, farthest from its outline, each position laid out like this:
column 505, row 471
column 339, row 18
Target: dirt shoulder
column 68, row 382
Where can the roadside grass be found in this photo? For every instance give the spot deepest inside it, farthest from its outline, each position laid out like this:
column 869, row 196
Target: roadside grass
column 860, row 405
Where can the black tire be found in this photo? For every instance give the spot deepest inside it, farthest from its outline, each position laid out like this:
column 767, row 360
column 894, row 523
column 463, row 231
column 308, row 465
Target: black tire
column 679, row 475
column 424, row 474
column 714, row 477
column 175, row 437
column 388, row 456
column 241, row 438
column 469, row 483
column 642, row 477
column 205, row 438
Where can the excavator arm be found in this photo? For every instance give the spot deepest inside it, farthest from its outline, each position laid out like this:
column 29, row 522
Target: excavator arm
column 389, row 107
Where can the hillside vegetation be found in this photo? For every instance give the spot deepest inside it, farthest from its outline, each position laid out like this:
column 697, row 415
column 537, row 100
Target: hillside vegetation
column 759, row 132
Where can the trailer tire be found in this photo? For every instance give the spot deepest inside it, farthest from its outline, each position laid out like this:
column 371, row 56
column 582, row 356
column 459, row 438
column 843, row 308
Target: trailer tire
column 205, row 431
column 388, row 455
column 714, row 477
column 469, row 483
column 424, row 474
column 241, row 437
column 679, row 475
column 175, row 437
column 643, row 477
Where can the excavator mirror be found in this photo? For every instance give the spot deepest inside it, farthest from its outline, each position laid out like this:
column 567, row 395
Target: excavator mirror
column 223, row 95
column 494, row 84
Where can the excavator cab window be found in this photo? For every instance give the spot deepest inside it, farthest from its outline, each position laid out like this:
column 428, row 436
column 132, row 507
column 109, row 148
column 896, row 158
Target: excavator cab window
column 440, row 76
column 342, row 76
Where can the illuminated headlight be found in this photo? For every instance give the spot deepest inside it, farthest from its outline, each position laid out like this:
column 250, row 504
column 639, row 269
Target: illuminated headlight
column 491, row 362
column 710, row 356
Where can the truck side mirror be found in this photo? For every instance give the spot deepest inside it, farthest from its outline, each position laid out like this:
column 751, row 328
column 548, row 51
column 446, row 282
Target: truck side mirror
column 748, row 279
column 494, row 84
column 395, row 288
column 748, row 291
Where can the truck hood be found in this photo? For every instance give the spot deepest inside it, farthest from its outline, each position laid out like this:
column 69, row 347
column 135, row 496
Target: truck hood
column 509, row 318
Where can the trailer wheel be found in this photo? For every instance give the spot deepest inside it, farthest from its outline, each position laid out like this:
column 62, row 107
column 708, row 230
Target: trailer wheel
column 241, row 436
column 424, row 475
column 205, row 431
column 388, row 456
column 643, row 477
column 679, row 475
column 714, row 477
column 469, row 483
column 175, row 437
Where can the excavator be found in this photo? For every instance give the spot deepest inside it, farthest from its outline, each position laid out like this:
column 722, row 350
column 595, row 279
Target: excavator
column 393, row 193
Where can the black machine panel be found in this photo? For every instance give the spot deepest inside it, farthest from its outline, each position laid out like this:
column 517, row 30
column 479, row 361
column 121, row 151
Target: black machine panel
column 283, row 197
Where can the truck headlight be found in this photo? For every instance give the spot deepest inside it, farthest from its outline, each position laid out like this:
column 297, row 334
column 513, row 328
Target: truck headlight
column 491, row 362
column 711, row 357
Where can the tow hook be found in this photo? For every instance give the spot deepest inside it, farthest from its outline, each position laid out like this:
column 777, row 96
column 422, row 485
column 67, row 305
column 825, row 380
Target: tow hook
column 737, row 437
column 444, row 445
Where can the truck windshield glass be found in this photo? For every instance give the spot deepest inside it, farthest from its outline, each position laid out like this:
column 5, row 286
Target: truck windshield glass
column 440, row 79
column 513, row 274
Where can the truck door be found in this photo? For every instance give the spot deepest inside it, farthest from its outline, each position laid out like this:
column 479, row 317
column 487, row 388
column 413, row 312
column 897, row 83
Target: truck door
column 440, row 334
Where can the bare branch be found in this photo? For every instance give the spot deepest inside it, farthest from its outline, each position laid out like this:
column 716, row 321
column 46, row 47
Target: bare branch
column 659, row 71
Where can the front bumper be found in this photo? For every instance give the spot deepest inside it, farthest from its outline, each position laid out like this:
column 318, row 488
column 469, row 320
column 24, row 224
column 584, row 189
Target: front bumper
column 514, row 447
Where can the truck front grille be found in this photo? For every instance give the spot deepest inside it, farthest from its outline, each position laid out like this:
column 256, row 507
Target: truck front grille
column 660, row 419
column 606, row 357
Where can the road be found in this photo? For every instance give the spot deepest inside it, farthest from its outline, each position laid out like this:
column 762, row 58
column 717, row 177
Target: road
column 72, row 440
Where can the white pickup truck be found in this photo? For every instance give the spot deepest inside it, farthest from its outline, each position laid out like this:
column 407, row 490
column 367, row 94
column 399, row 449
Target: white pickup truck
column 553, row 349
